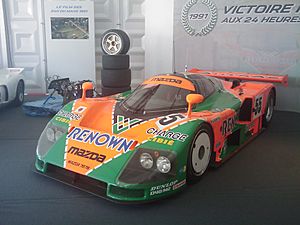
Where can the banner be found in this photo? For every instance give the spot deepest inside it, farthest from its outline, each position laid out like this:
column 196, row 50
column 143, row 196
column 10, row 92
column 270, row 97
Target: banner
column 70, row 38
column 258, row 36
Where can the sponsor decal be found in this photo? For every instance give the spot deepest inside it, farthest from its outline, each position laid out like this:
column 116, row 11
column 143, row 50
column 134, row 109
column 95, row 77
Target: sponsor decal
column 78, row 164
column 177, row 136
column 62, row 119
column 169, row 120
column 170, row 80
column 227, row 126
column 80, row 109
column 161, row 141
column 98, row 139
column 70, row 115
column 87, row 154
column 180, row 184
column 156, row 190
column 199, row 17
column 122, row 124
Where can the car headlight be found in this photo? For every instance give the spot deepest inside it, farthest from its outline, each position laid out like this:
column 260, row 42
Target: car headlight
column 149, row 166
column 146, row 160
column 49, row 136
column 58, row 134
column 163, row 164
column 53, row 133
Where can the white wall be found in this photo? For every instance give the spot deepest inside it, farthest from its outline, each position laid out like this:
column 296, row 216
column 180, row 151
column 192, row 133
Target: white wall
column 1, row 55
column 3, row 50
column 159, row 37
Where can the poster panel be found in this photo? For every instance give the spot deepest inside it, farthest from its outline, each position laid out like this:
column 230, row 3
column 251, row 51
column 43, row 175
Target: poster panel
column 70, row 38
column 259, row 36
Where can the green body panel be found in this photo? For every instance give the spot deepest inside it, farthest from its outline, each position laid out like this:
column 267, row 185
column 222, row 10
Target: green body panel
column 244, row 136
column 56, row 154
column 219, row 100
column 110, row 171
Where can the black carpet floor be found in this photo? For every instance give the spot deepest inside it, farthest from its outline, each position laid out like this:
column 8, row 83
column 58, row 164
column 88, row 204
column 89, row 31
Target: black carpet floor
column 260, row 185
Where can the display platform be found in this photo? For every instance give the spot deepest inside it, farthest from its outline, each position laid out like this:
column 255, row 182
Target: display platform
column 260, row 185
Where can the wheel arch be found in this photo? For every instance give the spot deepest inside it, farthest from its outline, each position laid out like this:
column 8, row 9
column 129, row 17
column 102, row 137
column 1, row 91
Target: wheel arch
column 212, row 133
column 274, row 91
column 6, row 91
column 17, row 83
column 189, row 174
column 22, row 80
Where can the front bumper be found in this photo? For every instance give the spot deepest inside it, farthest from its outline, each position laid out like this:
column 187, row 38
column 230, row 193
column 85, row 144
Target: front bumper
column 124, row 193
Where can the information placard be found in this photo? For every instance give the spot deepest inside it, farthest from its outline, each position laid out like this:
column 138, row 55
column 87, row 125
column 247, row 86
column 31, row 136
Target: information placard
column 70, row 38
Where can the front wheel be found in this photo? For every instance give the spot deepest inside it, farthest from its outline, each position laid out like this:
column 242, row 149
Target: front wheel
column 199, row 153
column 19, row 94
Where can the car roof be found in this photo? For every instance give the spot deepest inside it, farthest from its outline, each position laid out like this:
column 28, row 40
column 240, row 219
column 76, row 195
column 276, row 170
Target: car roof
column 176, row 80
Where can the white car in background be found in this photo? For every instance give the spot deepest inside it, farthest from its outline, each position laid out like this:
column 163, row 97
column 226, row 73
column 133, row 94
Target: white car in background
column 12, row 86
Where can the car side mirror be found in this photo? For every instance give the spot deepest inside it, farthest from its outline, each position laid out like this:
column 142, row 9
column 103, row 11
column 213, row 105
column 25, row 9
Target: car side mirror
column 86, row 86
column 193, row 99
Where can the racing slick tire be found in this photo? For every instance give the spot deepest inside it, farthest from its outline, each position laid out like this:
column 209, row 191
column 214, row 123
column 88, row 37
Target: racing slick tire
column 105, row 91
column 115, row 42
column 268, row 115
column 116, row 78
column 19, row 99
column 200, row 153
column 115, row 62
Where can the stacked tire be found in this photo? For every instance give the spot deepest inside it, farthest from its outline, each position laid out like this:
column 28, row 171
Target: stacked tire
column 115, row 72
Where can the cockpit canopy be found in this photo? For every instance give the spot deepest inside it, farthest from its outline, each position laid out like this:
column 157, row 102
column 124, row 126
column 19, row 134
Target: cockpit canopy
column 168, row 92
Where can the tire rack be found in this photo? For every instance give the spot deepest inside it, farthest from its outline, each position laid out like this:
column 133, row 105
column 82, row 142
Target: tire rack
column 115, row 72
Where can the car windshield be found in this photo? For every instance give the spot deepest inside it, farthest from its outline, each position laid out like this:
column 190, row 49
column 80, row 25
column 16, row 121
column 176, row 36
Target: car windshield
column 156, row 97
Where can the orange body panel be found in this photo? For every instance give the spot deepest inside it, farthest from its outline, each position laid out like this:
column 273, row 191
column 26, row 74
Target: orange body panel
column 171, row 81
column 243, row 76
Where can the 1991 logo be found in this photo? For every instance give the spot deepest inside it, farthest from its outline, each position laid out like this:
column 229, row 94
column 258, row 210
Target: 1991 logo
column 199, row 17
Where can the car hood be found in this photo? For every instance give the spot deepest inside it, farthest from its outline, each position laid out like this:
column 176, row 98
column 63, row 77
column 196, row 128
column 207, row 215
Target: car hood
column 99, row 132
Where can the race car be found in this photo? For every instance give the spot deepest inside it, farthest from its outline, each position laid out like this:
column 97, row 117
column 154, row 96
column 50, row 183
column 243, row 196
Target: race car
column 149, row 143
column 11, row 86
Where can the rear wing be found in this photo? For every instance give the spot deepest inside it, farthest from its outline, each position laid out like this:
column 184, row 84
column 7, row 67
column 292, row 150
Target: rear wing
column 243, row 76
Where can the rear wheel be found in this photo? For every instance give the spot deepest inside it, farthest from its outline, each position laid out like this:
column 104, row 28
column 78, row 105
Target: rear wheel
column 199, row 153
column 268, row 115
column 19, row 99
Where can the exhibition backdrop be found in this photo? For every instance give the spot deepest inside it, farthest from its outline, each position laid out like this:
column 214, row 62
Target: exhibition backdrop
column 259, row 36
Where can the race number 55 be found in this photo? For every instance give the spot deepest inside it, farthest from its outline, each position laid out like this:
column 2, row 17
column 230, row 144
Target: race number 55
column 257, row 110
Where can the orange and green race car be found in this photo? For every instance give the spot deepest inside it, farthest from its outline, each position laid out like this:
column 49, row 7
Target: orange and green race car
column 149, row 143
